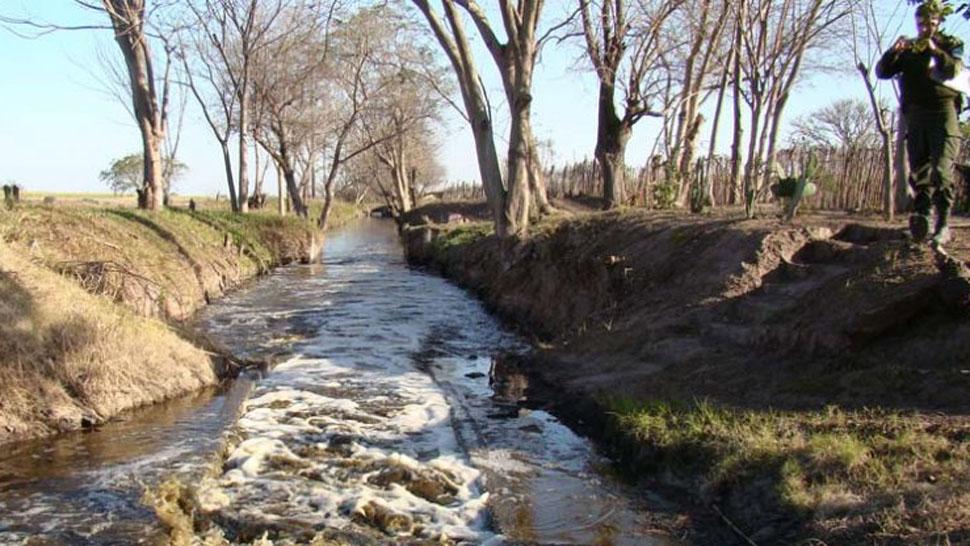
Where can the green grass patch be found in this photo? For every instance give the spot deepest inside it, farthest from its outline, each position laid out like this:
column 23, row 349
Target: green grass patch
column 460, row 235
column 883, row 472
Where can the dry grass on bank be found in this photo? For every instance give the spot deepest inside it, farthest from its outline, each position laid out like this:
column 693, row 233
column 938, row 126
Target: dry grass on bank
column 165, row 263
column 76, row 282
column 67, row 356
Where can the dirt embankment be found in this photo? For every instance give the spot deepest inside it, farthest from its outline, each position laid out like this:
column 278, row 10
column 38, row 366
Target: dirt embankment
column 736, row 309
column 642, row 314
column 93, row 303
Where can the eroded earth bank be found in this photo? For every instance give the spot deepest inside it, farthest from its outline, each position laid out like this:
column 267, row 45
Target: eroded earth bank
column 93, row 302
column 805, row 381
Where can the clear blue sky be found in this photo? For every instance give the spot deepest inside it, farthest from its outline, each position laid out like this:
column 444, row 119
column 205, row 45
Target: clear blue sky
column 59, row 127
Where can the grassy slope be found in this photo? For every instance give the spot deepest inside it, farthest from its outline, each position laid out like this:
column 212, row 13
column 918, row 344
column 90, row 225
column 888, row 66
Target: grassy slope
column 842, row 475
column 166, row 263
column 83, row 287
column 68, row 356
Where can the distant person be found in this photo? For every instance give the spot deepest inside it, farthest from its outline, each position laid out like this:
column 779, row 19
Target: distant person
column 930, row 110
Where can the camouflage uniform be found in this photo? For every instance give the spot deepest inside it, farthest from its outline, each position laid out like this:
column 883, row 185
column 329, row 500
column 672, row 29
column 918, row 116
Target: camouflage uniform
column 933, row 134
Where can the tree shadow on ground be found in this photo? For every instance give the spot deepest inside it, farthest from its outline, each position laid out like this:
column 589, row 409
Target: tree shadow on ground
column 39, row 346
column 166, row 235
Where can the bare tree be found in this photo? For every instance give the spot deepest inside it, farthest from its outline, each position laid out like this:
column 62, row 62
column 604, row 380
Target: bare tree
column 399, row 122
column 609, row 37
column 114, row 77
column 150, row 105
column 454, row 41
column 288, row 78
column 844, row 123
column 774, row 37
column 868, row 41
column 233, row 33
column 515, row 60
column 372, row 78
column 215, row 97
column 129, row 22
column 702, row 25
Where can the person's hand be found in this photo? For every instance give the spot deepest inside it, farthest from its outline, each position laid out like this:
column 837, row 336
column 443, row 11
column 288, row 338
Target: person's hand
column 931, row 46
column 901, row 44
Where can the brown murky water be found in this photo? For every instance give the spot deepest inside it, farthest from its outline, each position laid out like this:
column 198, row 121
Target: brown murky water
column 383, row 425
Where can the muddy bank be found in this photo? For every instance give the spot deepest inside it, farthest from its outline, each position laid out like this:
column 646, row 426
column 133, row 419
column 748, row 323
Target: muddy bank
column 642, row 313
column 94, row 302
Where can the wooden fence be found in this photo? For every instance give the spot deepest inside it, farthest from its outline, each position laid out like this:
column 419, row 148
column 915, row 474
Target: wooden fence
column 847, row 180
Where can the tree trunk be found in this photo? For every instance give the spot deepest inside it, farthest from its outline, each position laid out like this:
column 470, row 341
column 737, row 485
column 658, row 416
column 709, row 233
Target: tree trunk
column 244, row 147
column 400, row 175
column 258, row 186
column 281, row 200
column 752, row 164
column 327, row 204
column 297, row 203
column 153, row 170
column 889, row 196
column 736, row 192
column 537, row 182
column 227, row 162
column 412, row 186
column 313, row 175
column 324, row 219
column 611, row 138
column 128, row 23
column 712, row 146
column 520, row 143
column 458, row 50
column 289, row 174
column 687, row 152
column 489, row 169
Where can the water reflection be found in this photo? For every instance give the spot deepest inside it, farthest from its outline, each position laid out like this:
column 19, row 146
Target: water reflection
column 84, row 487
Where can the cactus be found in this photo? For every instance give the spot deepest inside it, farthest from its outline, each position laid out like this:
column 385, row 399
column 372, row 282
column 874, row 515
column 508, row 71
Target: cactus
column 792, row 187
column 700, row 187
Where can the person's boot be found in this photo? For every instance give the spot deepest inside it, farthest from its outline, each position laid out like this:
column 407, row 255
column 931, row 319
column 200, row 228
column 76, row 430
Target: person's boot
column 941, row 234
column 919, row 227
column 919, row 221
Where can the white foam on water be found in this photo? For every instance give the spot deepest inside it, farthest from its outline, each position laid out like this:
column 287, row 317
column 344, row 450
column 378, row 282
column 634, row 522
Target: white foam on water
column 336, row 460
column 384, row 422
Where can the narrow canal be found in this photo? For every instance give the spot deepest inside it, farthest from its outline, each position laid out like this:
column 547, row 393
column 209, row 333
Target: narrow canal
column 389, row 421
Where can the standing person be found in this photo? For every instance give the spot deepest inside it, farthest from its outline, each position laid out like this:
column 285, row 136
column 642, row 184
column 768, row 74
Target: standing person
column 930, row 109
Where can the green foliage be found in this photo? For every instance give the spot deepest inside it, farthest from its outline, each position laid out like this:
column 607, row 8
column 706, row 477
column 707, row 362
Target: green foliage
column 126, row 174
column 794, row 186
column 665, row 195
column 943, row 8
column 452, row 237
column 935, row 8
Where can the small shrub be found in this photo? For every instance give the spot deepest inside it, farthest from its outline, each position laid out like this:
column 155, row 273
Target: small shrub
column 665, row 195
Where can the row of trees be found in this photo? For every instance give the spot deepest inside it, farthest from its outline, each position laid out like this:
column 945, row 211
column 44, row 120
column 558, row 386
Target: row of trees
column 326, row 89
column 652, row 58
column 343, row 92
column 319, row 86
